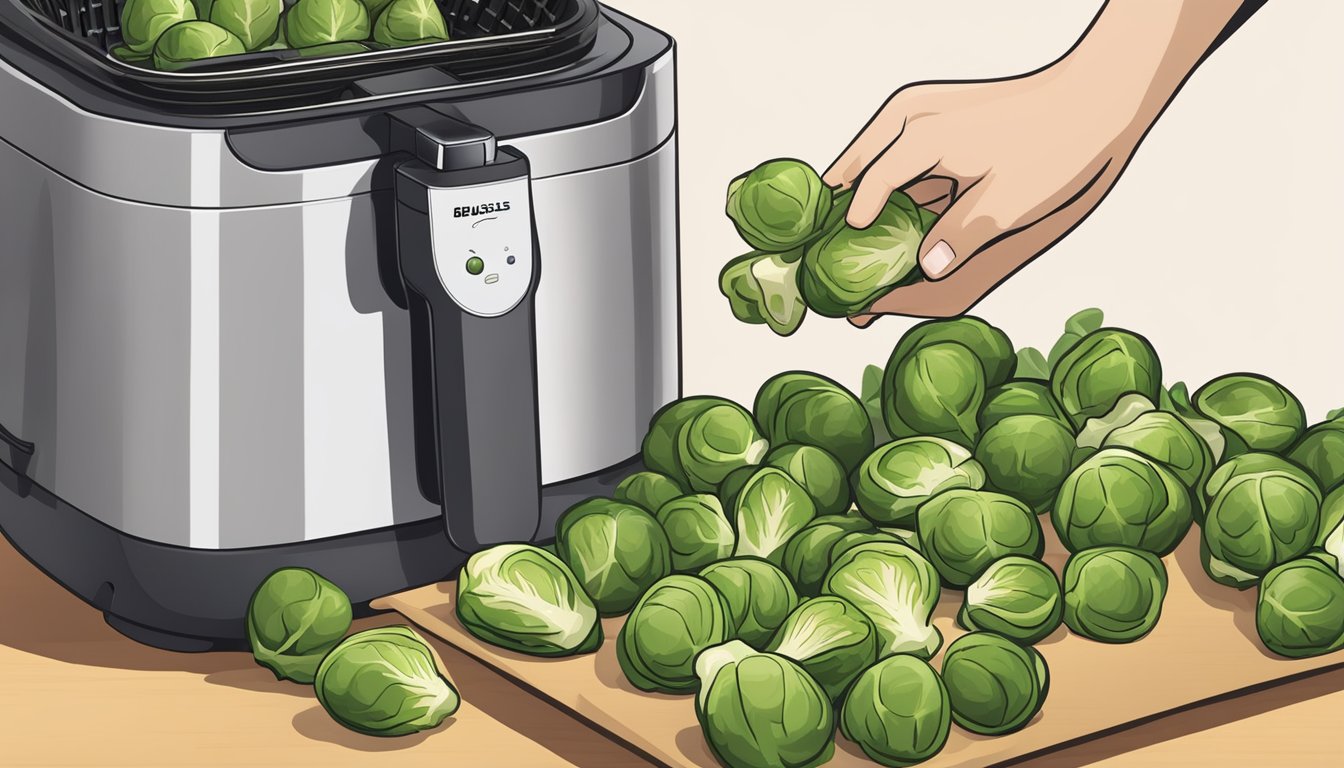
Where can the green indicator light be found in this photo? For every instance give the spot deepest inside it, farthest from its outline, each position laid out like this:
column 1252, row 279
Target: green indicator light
column 475, row 266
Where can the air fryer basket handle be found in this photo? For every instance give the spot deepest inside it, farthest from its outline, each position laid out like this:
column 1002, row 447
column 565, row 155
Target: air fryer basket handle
column 468, row 253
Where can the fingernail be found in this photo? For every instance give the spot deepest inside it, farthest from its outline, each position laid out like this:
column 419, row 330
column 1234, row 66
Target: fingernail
column 938, row 259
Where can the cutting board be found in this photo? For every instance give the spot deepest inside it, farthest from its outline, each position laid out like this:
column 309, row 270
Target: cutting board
column 1204, row 648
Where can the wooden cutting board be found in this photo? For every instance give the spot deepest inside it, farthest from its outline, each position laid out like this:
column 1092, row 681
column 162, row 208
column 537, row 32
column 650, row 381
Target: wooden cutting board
column 1204, row 647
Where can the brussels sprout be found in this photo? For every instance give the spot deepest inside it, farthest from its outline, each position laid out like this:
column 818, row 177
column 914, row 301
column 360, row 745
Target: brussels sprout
column 817, row 471
column 1321, row 453
column 761, row 710
column 778, row 205
column 1176, row 400
column 1018, row 398
column 699, row 440
column 762, row 288
column 991, row 347
column 1119, row 498
column 143, row 21
column 807, row 556
column 731, row 488
column 1136, row 424
column 1017, row 597
column 994, row 685
column 847, row 269
column 650, row 490
column 615, row 550
column 897, row 588
column 255, row 22
column 525, row 599
column 939, row 390
column 697, row 531
column 1332, row 520
column 898, row 712
column 1027, row 457
column 410, row 22
column 892, row 482
column 385, row 682
column 1113, row 594
column 962, row 531
column 314, row 22
column 1101, row 368
column 1300, row 609
column 191, row 41
column 759, row 597
column 770, row 509
column 294, row 618
column 1079, row 325
column 1256, row 413
column 797, row 407
column 677, row 618
column 831, row 639
column 744, row 293
column 1263, row 510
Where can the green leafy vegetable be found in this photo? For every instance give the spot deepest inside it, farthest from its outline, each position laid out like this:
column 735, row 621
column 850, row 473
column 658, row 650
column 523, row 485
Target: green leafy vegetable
column 294, row 618
column 385, row 682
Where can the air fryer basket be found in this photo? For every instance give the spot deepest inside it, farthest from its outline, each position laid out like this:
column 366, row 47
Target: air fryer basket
column 488, row 38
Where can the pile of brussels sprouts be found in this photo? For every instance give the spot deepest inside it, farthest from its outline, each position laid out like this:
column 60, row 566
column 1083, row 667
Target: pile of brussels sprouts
column 380, row 682
column 806, row 256
column 171, row 34
column 784, row 563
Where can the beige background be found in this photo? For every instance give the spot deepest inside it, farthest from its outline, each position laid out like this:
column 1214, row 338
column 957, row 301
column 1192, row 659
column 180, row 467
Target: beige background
column 1220, row 243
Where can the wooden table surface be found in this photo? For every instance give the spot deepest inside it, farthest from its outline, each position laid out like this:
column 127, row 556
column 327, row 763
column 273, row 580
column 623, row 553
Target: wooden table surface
column 73, row 692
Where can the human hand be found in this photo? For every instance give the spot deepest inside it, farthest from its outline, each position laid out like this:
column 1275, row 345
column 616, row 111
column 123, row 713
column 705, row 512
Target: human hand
column 1014, row 165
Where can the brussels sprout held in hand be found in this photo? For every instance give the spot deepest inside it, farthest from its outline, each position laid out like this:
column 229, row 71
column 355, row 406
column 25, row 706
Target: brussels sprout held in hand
column 898, row 477
column 847, row 269
column 294, row 618
column 761, row 710
column 778, row 205
column 615, row 550
column 525, row 599
column 385, row 682
column 994, row 685
column 962, row 531
column 898, row 712
column 831, row 639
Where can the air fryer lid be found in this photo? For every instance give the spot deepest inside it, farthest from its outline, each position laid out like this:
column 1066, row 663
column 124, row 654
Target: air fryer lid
column 488, row 39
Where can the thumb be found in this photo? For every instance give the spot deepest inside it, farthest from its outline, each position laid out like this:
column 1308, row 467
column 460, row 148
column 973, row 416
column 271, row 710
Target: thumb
column 966, row 228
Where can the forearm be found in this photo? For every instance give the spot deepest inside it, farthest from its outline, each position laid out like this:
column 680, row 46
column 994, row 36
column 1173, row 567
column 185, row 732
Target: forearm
column 1140, row 52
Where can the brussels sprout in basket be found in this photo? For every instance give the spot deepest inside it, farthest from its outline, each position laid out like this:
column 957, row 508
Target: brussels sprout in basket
column 254, row 22
column 615, row 550
column 1262, row 511
column 677, row 618
column 296, row 617
column 769, row 510
column 1300, row 609
column 1119, row 498
column 525, row 599
column 898, row 477
column 1113, row 594
column 410, row 22
column 761, row 710
column 191, row 41
column 697, row 531
column 778, row 205
column 1256, row 413
column 314, row 22
column 994, row 685
column 798, row 407
column 650, row 490
column 1102, row 367
column 897, row 588
column 962, row 531
column 758, row 594
column 807, row 556
column 385, row 682
column 1017, row 597
column 831, row 639
column 1027, row 456
column 898, row 712
column 144, row 21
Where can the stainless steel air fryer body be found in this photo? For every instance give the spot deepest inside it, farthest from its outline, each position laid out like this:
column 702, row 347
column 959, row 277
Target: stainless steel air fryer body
column 206, row 371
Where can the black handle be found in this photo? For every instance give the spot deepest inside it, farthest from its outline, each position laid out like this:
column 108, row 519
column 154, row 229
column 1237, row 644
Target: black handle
column 468, row 253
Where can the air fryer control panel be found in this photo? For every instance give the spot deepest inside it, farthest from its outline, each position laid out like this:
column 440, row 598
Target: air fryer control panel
column 482, row 242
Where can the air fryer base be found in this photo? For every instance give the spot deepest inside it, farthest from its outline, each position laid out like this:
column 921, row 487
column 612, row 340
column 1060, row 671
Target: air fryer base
column 195, row 600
